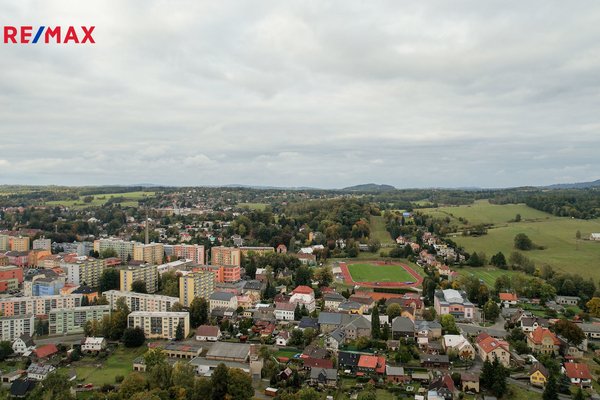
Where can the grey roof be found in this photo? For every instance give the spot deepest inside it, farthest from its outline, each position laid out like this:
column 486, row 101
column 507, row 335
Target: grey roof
column 253, row 285
column 395, row 371
column 436, row 358
column 197, row 361
column 422, row 324
column 403, row 324
column 590, row 327
column 337, row 335
column 359, row 321
column 308, row 322
column 229, row 350
column 327, row 373
column 349, row 305
column 333, row 296
column 328, row 318
column 222, row 296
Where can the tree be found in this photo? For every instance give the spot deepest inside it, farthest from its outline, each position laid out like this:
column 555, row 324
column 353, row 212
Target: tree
column 518, row 218
column 297, row 313
column 5, row 350
column 138, row 286
column 296, row 338
column 569, row 331
column 134, row 337
column 486, row 377
column 448, row 324
column 593, row 306
column 219, row 382
column 239, row 386
column 375, row 326
column 179, row 333
column 118, row 319
column 550, row 391
column 109, row 280
column 308, row 335
column 303, row 276
column 108, row 253
column 393, row 311
column 385, row 332
column 579, row 395
column 85, row 301
column 522, row 242
column 374, row 245
column 132, row 384
column 491, row 310
column 324, row 276
column 183, row 375
column 169, row 282
column 198, row 312
column 498, row 260
column 159, row 376
column 55, row 386
column 154, row 357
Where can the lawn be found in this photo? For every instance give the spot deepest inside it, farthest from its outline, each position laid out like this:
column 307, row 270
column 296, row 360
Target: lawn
column 378, row 231
column 91, row 370
column 557, row 234
column 131, row 199
column 289, row 353
column 253, row 206
column 487, row 274
column 365, row 272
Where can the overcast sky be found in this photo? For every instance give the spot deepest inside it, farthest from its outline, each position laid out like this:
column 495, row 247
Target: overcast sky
column 304, row 93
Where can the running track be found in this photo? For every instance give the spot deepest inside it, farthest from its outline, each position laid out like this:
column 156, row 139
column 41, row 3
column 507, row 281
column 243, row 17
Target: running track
column 348, row 278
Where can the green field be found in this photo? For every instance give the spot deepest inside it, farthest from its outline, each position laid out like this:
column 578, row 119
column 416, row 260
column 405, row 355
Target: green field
column 365, row 272
column 97, row 372
column 557, row 234
column 378, row 231
column 486, row 274
column 130, row 200
column 253, row 206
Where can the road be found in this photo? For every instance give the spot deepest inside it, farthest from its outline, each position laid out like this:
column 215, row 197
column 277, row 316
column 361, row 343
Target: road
column 526, row 385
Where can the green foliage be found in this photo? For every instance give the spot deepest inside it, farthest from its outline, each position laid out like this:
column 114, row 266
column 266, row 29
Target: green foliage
column 55, row 386
column 198, row 312
column 448, row 324
column 393, row 311
column 570, row 331
column 5, row 350
column 375, row 326
column 550, row 391
column 139, row 287
column 491, row 310
column 219, row 382
column 134, row 337
column 179, row 332
column 239, row 386
column 109, row 280
column 169, row 283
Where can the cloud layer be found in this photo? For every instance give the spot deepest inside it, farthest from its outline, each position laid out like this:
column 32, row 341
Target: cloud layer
column 303, row 93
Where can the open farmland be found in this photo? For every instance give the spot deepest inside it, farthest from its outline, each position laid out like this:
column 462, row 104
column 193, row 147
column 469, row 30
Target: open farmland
column 557, row 234
column 127, row 199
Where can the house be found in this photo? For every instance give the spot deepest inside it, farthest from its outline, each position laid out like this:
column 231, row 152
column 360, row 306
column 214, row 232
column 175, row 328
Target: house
column 469, row 382
column 10, row 377
column 538, row 375
column 430, row 329
column 223, row 300
column 592, row 331
column 442, row 387
column 595, row 236
column 529, row 324
column 304, row 296
column 323, row 376
column 312, row 351
column 459, row 345
column 284, row 311
column 365, row 300
column 23, row 344
column 348, row 360
column 451, row 301
column 371, row 364
column 39, row 372
column 489, row 348
column 333, row 300
column 308, row 322
column 544, row 341
column 403, row 328
column 435, row 361
column 208, row 333
column 282, row 338
column 318, row 363
column 351, row 307
column 93, row 344
column 395, row 375
column 578, row 374
column 567, row 300
column 45, row 351
column 508, row 299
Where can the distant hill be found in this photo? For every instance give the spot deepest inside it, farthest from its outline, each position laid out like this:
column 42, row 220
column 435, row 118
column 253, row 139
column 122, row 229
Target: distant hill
column 369, row 187
column 578, row 185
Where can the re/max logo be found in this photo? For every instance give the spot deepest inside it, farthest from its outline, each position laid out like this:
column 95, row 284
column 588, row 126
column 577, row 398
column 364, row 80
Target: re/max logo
column 48, row 34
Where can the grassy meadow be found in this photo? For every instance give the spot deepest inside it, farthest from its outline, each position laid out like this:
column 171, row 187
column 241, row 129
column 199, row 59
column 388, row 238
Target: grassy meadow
column 365, row 272
column 556, row 234
column 378, row 231
column 131, row 199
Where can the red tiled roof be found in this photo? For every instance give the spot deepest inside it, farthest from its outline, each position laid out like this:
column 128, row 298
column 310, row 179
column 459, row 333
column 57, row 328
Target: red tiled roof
column 366, row 361
column 489, row 344
column 46, row 350
column 302, row 289
column 539, row 333
column 508, row 296
column 318, row 363
column 380, row 365
column 577, row 371
column 207, row 330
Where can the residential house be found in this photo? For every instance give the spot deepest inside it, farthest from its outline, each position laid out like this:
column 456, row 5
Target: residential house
column 489, row 348
column 396, row 375
column 371, row 364
column 351, row 307
column 529, row 324
column 543, row 341
column 567, row 300
column 333, row 300
column 304, row 296
column 451, row 301
column 93, row 344
column 538, row 375
column 323, row 377
column 208, row 333
column 403, row 328
column 282, row 338
column 45, row 351
column 442, row 388
column 39, row 372
column 592, row 331
column 459, row 345
column 578, row 374
column 224, row 300
column 284, row 311
column 469, row 382
column 435, row 361
column 365, row 300
column 318, row 363
column 508, row 299
column 348, row 360
column 23, row 344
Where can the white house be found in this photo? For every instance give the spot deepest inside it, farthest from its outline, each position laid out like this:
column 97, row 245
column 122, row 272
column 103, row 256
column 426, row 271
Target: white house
column 23, row 344
column 595, row 236
column 284, row 311
column 305, row 296
column 282, row 339
column 93, row 344
column 223, row 300
column 208, row 333
column 39, row 372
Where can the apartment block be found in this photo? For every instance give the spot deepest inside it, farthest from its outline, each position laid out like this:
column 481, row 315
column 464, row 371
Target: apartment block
column 15, row 326
column 141, row 301
column 152, row 253
column 146, row 273
column 194, row 252
column 19, row 243
column 10, row 277
column 123, row 249
column 221, row 255
column 195, row 284
column 42, row 244
column 47, row 286
column 10, row 306
column 61, row 321
column 4, row 243
column 82, row 270
column 160, row 325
